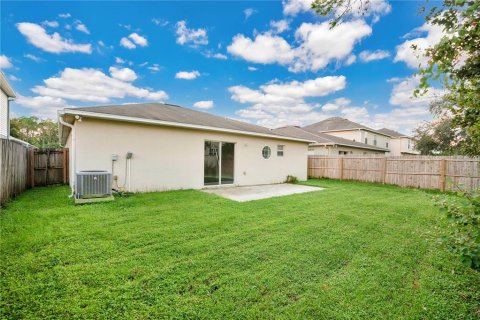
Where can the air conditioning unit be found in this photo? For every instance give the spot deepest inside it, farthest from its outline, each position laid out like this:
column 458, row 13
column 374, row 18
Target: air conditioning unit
column 93, row 184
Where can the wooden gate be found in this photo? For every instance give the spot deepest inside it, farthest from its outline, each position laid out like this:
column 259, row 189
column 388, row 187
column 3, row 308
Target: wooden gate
column 50, row 167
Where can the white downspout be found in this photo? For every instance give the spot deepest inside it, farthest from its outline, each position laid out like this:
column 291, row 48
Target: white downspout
column 74, row 156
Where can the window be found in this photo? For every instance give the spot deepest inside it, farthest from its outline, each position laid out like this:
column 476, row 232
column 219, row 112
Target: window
column 280, row 150
column 266, row 152
column 375, row 141
column 409, row 144
column 343, row 153
column 386, row 145
column 366, row 140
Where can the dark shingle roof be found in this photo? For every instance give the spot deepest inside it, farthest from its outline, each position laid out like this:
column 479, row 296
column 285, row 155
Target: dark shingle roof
column 323, row 138
column 176, row 114
column 337, row 123
column 392, row 133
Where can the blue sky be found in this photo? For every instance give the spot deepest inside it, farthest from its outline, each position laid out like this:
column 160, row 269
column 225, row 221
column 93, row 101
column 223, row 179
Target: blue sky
column 271, row 63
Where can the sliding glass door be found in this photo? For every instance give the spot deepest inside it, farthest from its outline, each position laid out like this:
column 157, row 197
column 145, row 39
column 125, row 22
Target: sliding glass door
column 219, row 163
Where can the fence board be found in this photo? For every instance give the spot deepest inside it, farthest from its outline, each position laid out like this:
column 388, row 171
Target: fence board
column 425, row 172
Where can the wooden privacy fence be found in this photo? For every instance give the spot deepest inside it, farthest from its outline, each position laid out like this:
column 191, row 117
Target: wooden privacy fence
column 23, row 167
column 425, row 172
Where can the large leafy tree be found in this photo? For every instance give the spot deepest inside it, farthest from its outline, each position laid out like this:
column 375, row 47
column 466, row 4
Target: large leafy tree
column 437, row 138
column 454, row 61
column 38, row 132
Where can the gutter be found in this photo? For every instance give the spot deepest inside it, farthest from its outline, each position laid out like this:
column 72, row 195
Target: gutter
column 178, row 124
column 74, row 150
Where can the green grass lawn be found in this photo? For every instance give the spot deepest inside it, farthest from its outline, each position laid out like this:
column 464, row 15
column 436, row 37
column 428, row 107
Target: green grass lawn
column 352, row 251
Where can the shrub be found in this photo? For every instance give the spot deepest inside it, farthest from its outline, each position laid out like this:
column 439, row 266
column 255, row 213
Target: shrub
column 291, row 179
column 463, row 214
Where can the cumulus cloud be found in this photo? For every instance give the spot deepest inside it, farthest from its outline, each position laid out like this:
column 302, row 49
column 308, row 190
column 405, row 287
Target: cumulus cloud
column 53, row 43
column 138, row 39
column 5, row 62
column 81, row 27
column 154, row 68
column 249, row 12
column 204, row 104
column 318, row 45
column 193, row 37
column 124, row 42
column 279, row 26
column 276, row 103
column 187, row 75
column 215, row 55
column 51, row 24
column 367, row 56
column 94, row 86
column 124, row 74
column 415, row 58
column 42, row 107
column 294, row 7
column 402, row 94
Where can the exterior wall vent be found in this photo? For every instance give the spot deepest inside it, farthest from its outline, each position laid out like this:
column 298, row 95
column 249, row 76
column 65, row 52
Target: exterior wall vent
column 93, row 184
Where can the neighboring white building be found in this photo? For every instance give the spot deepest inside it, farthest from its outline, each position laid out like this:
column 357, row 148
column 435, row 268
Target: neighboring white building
column 6, row 94
column 352, row 131
column 177, row 148
column 328, row 145
column 400, row 144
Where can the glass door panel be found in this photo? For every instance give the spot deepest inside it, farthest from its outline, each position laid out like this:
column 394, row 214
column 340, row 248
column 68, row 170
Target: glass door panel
column 228, row 155
column 211, row 163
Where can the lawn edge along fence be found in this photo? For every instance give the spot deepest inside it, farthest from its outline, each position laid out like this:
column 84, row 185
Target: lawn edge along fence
column 425, row 172
column 23, row 166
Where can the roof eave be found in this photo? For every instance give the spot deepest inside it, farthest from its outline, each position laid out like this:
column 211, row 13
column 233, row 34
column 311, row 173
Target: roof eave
column 5, row 86
column 105, row 116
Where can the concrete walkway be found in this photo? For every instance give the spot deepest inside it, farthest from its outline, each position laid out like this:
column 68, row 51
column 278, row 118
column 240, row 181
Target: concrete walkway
column 242, row 194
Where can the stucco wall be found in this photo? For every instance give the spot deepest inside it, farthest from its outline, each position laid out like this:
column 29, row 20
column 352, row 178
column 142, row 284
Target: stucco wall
column 171, row 158
column 400, row 146
column 3, row 115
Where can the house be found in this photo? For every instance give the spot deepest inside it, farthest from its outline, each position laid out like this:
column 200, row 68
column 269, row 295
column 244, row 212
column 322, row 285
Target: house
column 153, row 147
column 329, row 145
column 6, row 94
column 344, row 128
column 400, row 144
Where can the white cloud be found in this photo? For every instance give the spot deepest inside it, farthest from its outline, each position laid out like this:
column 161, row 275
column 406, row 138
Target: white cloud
column 94, row 86
column 350, row 60
column 205, row 104
column 416, row 58
column 119, row 60
column 249, row 12
column 318, row 46
column 402, row 94
column 65, row 15
column 5, row 62
column 276, row 103
column 51, row 24
column 81, row 27
column 210, row 54
column 357, row 8
column 160, row 22
column 154, row 68
column 33, row 57
column 124, row 42
column 250, row 68
column 41, row 106
column 187, row 75
column 138, row 39
column 265, row 48
column 13, row 78
column 124, row 74
column 367, row 56
column 54, row 43
column 194, row 37
column 279, row 26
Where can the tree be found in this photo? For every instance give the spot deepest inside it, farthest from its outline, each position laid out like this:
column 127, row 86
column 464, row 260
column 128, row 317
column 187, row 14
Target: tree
column 437, row 138
column 38, row 132
column 454, row 61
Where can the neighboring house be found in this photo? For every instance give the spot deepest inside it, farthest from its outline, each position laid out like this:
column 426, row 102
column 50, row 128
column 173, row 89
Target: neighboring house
column 329, row 145
column 177, row 148
column 400, row 144
column 352, row 131
column 6, row 94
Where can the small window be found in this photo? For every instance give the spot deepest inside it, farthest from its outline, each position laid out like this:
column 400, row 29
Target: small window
column 280, row 150
column 343, row 153
column 374, row 142
column 366, row 140
column 408, row 144
column 386, row 145
column 266, row 152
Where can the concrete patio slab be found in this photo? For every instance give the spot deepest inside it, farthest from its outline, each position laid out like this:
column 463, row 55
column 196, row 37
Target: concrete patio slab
column 243, row 194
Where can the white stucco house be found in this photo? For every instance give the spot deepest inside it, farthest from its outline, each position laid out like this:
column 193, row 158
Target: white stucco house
column 400, row 144
column 6, row 94
column 172, row 147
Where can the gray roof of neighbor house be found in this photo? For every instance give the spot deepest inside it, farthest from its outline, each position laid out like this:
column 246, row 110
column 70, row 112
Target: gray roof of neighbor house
column 392, row 133
column 5, row 86
column 337, row 124
column 172, row 115
column 324, row 138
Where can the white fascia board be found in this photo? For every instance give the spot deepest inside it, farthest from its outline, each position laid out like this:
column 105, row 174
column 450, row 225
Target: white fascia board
column 174, row 124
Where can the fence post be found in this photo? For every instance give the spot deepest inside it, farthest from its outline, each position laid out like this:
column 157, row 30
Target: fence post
column 341, row 168
column 384, row 175
column 443, row 166
column 32, row 167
